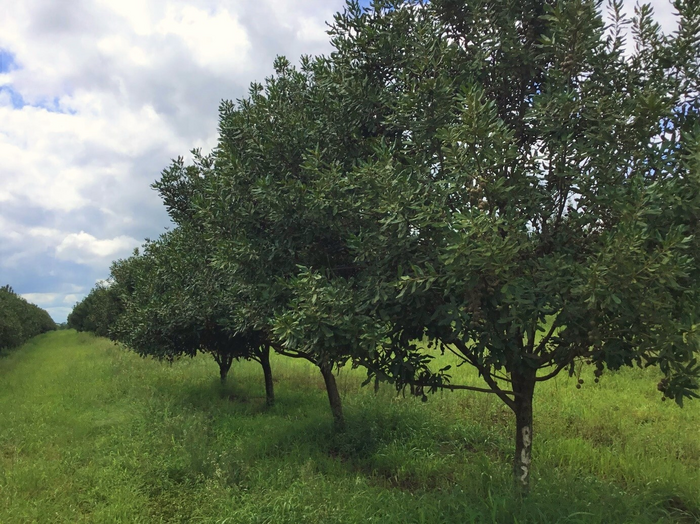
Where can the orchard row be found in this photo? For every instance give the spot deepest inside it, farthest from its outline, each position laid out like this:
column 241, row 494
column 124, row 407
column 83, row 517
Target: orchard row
column 506, row 181
column 20, row 320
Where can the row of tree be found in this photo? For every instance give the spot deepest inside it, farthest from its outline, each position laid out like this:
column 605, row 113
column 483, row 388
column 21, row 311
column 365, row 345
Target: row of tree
column 508, row 181
column 95, row 313
column 20, row 320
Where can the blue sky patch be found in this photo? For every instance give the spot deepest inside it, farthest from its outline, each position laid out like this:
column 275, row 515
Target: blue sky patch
column 7, row 64
column 53, row 105
column 7, row 61
column 15, row 98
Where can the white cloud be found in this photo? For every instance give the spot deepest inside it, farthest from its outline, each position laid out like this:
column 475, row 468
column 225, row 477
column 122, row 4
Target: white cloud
column 70, row 299
column 86, row 249
column 59, row 314
column 116, row 46
column 137, row 13
column 57, row 305
column 44, row 232
column 40, row 298
column 19, row 242
column 311, row 31
column 215, row 40
column 51, row 159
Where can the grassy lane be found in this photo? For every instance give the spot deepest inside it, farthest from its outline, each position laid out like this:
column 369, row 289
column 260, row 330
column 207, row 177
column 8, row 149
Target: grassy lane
column 91, row 433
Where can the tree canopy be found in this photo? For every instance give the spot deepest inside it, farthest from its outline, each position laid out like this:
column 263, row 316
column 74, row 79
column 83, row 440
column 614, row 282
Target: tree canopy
column 172, row 306
column 20, row 320
column 509, row 182
column 504, row 181
column 96, row 312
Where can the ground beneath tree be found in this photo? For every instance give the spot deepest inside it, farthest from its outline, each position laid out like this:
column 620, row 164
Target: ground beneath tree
column 92, row 433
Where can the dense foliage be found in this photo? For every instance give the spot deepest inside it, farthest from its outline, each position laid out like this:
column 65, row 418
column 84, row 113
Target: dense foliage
column 162, row 303
column 172, row 306
column 506, row 181
column 20, row 320
column 96, row 312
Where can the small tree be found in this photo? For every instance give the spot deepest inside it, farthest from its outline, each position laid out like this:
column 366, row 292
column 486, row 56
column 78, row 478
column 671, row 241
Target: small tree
column 170, row 308
column 213, row 299
column 257, row 205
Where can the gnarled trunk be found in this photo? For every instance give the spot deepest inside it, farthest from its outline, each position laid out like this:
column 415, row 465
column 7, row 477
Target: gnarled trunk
column 524, row 388
column 267, row 371
column 333, row 395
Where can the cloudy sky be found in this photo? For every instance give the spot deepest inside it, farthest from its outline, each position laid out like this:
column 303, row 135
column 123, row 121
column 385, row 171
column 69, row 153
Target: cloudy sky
column 96, row 96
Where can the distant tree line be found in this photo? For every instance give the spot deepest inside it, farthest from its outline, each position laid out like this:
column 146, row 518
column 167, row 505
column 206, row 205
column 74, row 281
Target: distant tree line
column 504, row 181
column 20, row 320
column 95, row 312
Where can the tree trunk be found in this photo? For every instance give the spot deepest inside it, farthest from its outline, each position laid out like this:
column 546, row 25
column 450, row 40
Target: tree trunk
column 524, row 388
column 333, row 395
column 269, row 386
column 224, row 362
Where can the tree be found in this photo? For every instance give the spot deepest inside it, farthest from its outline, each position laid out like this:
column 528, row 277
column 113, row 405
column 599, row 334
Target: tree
column 20, row 320
column 215, row 299
column 11, row 333
column 533, row 200
column 96, row 312
column 170, row 308
column 503, row 181
column 257, row 202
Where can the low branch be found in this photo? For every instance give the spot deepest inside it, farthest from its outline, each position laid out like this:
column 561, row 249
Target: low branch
column 296, row 354
column 485, row 374
column 460, row 355
column 454, row 387
column 553, row 374
column 560, row 367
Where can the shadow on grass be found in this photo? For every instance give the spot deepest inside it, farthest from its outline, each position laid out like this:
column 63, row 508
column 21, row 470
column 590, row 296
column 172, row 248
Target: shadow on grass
column 226, row 434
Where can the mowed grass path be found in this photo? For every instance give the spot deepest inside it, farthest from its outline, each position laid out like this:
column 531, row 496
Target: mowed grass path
column 92, row 433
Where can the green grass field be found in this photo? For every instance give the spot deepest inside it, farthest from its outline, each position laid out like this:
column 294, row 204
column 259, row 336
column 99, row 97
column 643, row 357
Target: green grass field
column 92, row 433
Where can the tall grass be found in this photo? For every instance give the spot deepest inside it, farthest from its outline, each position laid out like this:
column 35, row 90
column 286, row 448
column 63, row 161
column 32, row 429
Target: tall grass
column 92, row 433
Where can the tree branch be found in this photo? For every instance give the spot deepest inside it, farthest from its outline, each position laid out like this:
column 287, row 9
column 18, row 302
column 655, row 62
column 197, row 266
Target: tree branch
column 552, row 374
column 485, row 374
column 505, row 379
column 560, row 367
column 295, row 354
column 455, row 387
column 546, row 338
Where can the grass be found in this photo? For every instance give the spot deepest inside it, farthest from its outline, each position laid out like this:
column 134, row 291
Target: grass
column 92, row 433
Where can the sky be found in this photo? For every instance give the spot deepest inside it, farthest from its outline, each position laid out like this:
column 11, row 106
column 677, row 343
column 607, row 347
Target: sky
column 96, row 97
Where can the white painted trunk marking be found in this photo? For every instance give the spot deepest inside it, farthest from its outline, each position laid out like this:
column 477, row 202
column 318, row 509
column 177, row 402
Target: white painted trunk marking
column 525, row 457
